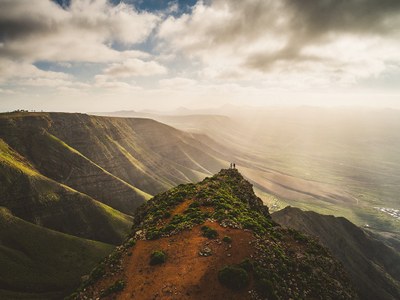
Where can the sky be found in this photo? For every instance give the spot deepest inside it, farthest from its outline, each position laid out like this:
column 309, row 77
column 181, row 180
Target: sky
column 98, row 55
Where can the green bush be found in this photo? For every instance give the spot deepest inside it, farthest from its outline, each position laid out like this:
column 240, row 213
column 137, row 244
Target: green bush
column 227, row 239
column 118, row 286
column 194, row 205
column 157, row 257
column 130, row 243
column 265, row 288
column 209, row 232
column 233, row 277
column 153, row 234
column 246, row 264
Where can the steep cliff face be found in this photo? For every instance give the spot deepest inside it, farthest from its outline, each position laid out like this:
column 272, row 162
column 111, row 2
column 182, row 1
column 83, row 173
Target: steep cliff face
column 215, row 240
column 373, row 266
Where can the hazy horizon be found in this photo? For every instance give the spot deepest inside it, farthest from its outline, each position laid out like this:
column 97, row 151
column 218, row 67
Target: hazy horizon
column 100, row 55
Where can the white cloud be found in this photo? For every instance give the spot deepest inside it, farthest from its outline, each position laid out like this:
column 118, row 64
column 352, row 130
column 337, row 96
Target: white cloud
column 17, row 70
column 134, row 67
column 84, row 31
column 177, row 83
column 258, row 39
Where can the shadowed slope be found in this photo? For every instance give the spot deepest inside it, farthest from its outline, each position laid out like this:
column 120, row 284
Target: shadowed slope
column 373, row 266
column 38, row 263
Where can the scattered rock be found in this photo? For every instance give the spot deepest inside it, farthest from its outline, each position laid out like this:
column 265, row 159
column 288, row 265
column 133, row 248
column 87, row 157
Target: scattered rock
column 205, row 251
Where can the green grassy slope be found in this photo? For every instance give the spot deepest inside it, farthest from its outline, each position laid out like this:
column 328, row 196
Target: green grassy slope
column 38, row 263
column 57, row 160
column 37, row 199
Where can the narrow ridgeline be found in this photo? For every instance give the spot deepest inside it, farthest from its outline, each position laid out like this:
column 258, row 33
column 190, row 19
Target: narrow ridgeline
column 215, row 240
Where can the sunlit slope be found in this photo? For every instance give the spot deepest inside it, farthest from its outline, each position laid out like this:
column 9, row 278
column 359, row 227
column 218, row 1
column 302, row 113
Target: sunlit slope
column 38, row 263
column 139, row 153
column 42, row 201
column 56, row 159
column 147, row 154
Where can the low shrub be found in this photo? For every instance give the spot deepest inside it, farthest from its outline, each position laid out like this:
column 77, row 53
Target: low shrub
column 130, row 243
column 247, row 265
column 265, row 288
column 233, row 277
column 227, row 239
column 118, row 286
column 157, row 257
column 153, row 234
column 209, row 232
column 194, row 205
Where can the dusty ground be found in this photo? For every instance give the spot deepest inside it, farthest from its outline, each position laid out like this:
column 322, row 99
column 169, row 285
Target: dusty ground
column 186, row 274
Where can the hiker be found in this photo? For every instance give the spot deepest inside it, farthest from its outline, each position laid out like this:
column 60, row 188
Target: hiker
column 230, row 166
column 234, row 165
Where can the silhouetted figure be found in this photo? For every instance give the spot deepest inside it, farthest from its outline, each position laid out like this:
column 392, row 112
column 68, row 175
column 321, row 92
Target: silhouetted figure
column 234, row 165
column 230, row 167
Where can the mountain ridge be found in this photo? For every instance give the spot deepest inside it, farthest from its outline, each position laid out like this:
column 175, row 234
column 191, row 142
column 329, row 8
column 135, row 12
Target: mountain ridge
column 202, row 232
column 373, row 266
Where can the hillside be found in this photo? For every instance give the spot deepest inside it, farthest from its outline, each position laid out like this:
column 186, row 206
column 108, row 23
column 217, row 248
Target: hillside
column 37, row 263
column 373, row 267
column 42, row 201
column 215, row 240
column 69, row 165
column 83, row 176
column 141, row 153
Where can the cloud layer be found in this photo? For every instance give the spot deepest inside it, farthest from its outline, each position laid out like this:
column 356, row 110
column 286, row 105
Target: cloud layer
column 325, row 37
column 257, row 47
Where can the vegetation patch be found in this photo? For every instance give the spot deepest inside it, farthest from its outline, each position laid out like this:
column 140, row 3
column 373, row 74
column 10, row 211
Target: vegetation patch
column 208, row 232
column 233, row 277
column 117, row 286
column 130, row 243
column 157, row 257
column 227, row 239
